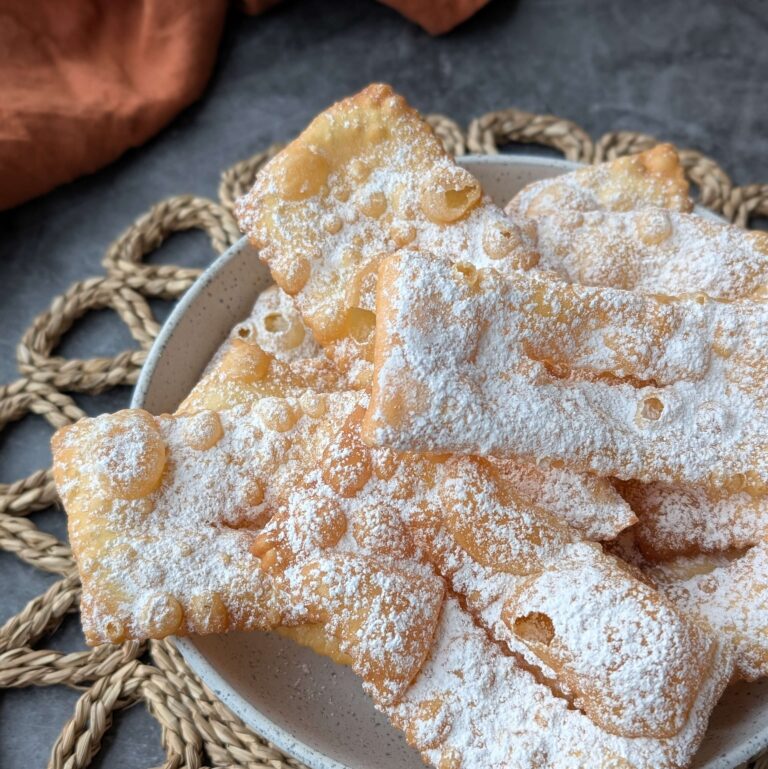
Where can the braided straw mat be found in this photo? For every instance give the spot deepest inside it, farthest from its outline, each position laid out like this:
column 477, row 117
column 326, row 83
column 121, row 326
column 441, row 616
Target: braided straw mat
column 197, row 729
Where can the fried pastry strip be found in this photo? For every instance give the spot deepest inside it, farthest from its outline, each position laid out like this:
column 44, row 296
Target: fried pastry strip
column 587, row 503
column 244, row 373
column 452, row 512
column 473, row 706
column 366, row 177
column 590, row 504
column 163, row 513
column 651, row 179
column 688, row 520
column 655, row 251
column 729, row 592
column 352, row 532
column 607, row 381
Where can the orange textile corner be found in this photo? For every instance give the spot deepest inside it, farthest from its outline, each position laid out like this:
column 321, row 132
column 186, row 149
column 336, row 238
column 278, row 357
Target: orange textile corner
column 436, row 16
column 84, row 80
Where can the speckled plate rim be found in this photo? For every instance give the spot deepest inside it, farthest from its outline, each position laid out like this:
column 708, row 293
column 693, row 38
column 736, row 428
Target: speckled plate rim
column 264, row 726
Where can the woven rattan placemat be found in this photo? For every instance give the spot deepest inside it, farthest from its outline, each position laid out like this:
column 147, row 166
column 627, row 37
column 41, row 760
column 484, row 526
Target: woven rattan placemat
column 197, row 729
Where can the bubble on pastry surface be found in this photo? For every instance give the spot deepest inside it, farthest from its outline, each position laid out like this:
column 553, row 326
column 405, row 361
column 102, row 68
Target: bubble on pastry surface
column 208, row 613
column 662, row 160
column 359, row 170
column 402, row 234
column 254, row 491
column 351, row 256
column 203, row 430
column 313, row 404
column 277, row 414
column 288, row 331
column 246, row 362
column 302, row 173
column 468, row 272
column 375, row 205
column 162, row 614
column 130, row 454
column 341, row 192
column 735, row 483
column 114, row 630
column 385, row 463
column 381, row 531
column 346, row 465
column 501, row 238
column 449, row 194
column 534, row 627
column 360, row 324
column 653, row 227
column 327, row 323
column 649, row 409
column 333, row 225
column 293, row 274
column 331, row 522
column 278, row 328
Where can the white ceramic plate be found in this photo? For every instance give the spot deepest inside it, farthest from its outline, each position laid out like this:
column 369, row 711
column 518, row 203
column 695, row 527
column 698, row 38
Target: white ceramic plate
column 306, row 705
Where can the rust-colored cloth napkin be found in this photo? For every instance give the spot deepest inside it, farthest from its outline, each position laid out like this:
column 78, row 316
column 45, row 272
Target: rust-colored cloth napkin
column 81, row 81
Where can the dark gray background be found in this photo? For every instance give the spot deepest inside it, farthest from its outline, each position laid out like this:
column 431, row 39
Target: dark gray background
column 693, row 73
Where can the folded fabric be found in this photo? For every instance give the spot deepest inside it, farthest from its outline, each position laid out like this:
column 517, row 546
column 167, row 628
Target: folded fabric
column 82, row 82
column 436, row 16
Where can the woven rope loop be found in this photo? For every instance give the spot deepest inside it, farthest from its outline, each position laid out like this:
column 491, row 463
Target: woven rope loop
column 18, row 399
column 34, row 352
column 745, row 202
column 450, row 134
column 124, row 258
column 494, row 129
column 197, row 729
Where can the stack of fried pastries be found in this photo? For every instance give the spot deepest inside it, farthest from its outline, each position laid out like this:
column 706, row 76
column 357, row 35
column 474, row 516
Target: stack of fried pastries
column 508, row 466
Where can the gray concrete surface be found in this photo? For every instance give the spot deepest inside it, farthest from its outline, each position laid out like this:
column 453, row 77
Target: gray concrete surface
column 693, row 73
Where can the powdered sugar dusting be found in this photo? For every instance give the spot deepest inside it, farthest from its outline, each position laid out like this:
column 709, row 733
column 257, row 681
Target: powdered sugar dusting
column 483, row 540
column 473, row 701
column 685, row 520
column 651, row 179
column 367, row 177
column 590, row 504
column 613, row 382
column 730, row 594
column 654, row 251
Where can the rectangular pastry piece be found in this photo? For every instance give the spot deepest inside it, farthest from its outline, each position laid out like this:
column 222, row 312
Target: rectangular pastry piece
column 675, row 519
column 651, row 179
column 604, row 380
column 344, row 535
column 725, row 591
column 163, row 514
column 366, row 177
column 242, row 373
column 453, row 513
column 654, row 251
column 473, row 706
